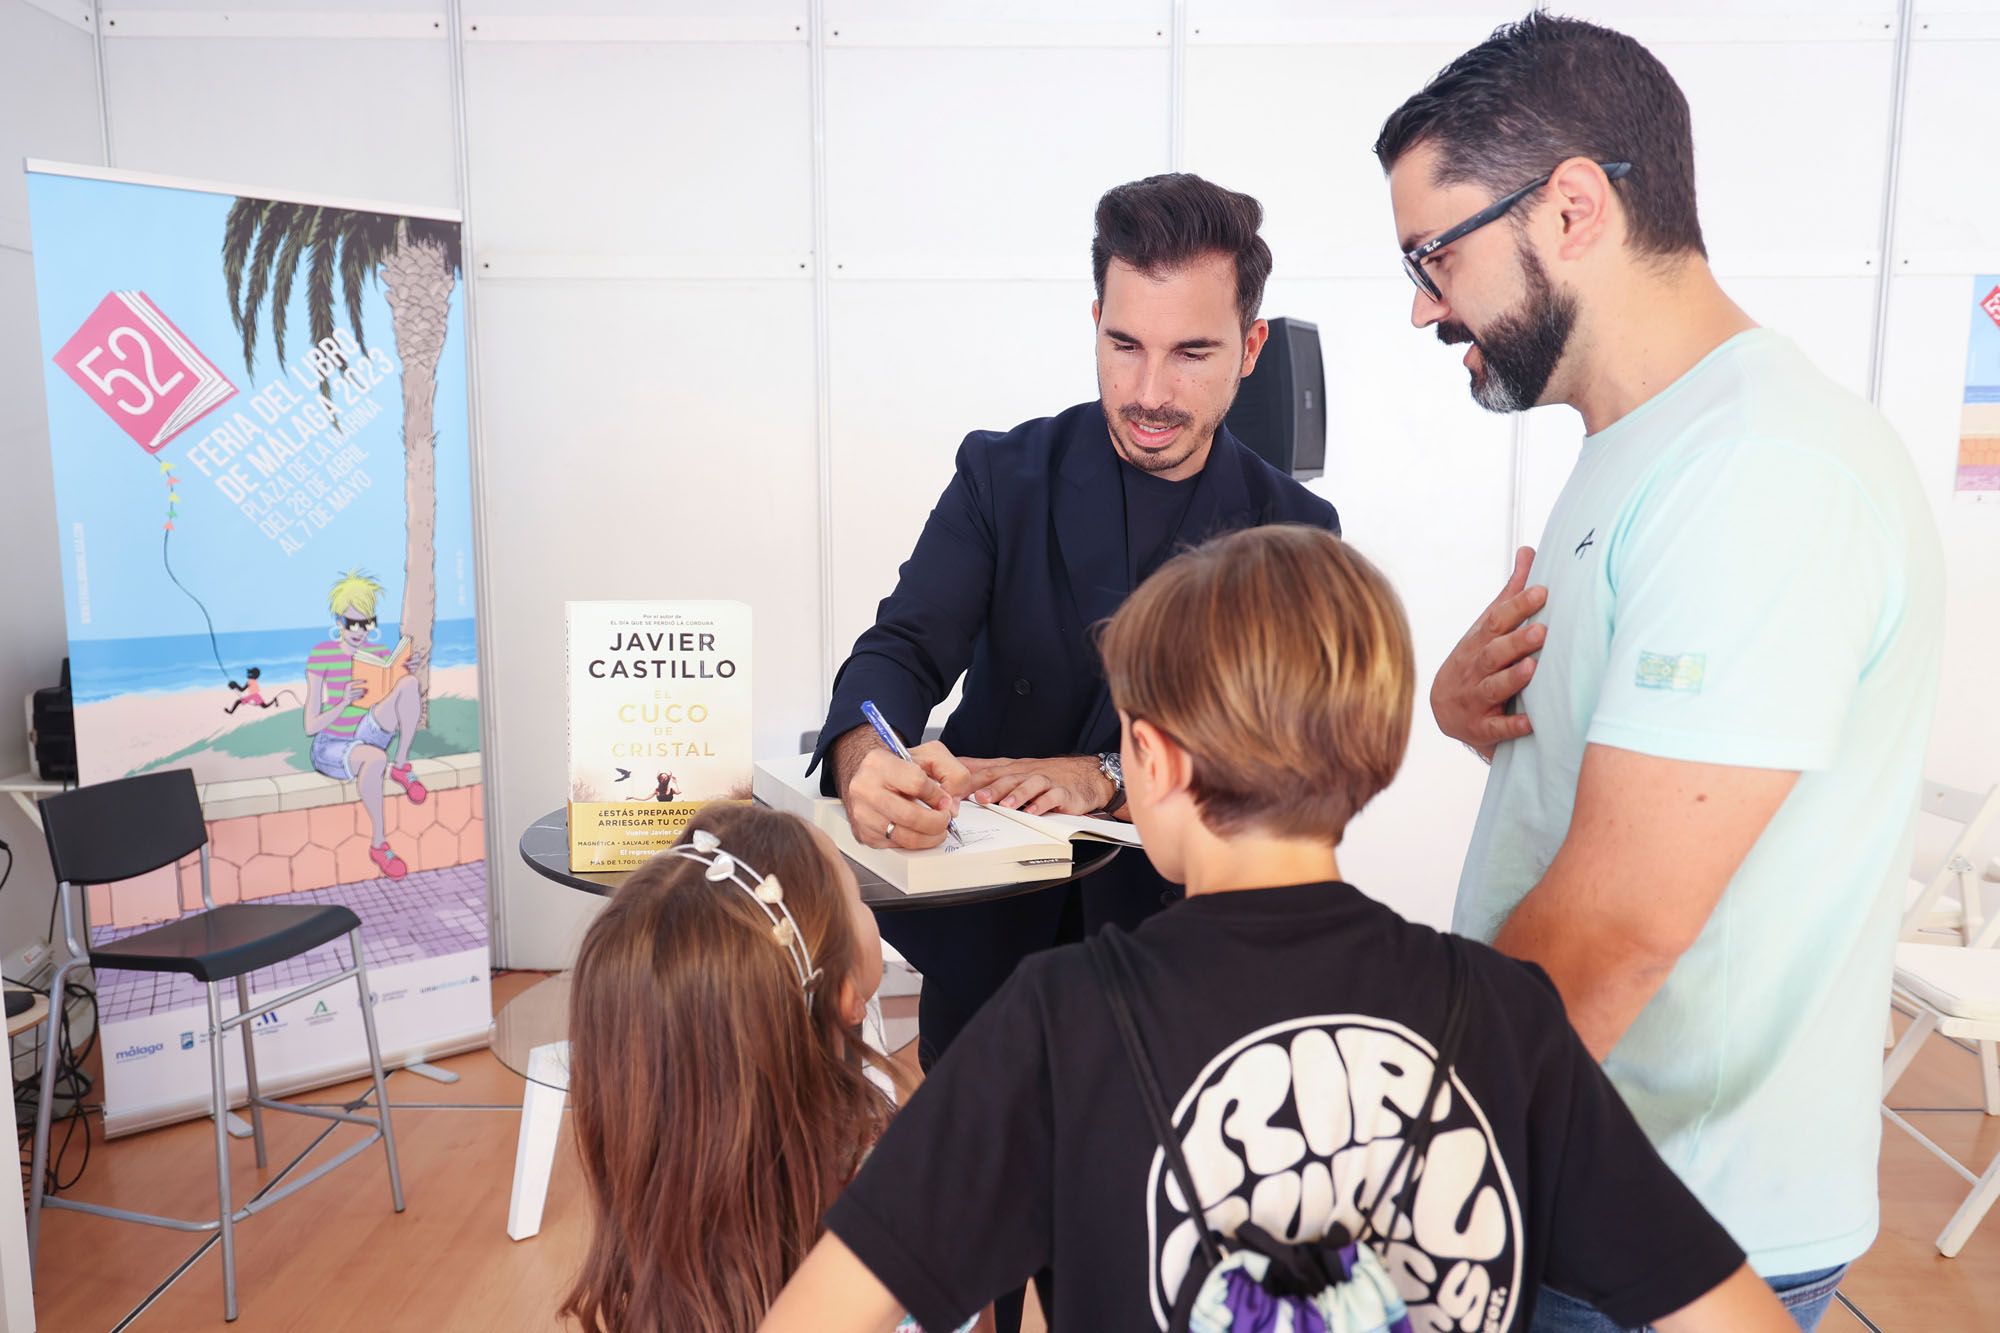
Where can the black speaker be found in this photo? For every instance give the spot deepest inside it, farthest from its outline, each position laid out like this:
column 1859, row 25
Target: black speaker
column 1280, row 410
column 52, row 730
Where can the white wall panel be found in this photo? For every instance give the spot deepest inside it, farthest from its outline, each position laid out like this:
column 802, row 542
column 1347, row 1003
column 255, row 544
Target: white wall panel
column 1951, row 175
column 1923, row 388
column 1023, row 22
column 1780, row 166
column 1948, row 229
column 363, row 118
column 633, row 453
column 184, row 10
column 1295, row 126
column 641, row 149
column 48, row 109
column 983, row 161
column 684, row 10
column 916, row 366
column 1420, row 476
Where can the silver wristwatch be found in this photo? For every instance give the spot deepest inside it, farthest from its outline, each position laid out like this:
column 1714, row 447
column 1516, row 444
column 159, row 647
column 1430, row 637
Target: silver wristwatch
column 1112, row 765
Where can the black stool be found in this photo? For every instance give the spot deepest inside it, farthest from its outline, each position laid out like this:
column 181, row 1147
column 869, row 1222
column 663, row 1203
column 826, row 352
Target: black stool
column 116, row 830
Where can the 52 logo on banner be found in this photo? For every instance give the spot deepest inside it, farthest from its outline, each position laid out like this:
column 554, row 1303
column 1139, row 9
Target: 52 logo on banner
column 142, row 371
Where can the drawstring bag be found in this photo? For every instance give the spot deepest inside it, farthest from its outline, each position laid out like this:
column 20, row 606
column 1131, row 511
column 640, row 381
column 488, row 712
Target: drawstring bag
column 1254, row 1282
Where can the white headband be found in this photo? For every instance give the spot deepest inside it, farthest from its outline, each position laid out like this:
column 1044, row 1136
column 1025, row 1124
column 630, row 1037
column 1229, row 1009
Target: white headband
column 704, row 848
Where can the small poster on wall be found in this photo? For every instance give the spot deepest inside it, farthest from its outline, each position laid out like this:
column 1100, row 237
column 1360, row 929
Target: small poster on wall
column 1979, row 420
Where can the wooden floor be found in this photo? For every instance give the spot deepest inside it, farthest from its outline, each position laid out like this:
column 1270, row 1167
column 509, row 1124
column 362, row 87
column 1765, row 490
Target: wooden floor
column 335, row 1257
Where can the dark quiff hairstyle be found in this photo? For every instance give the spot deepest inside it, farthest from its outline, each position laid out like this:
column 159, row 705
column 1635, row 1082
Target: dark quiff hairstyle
column 1164, row 223
column 1547, row 89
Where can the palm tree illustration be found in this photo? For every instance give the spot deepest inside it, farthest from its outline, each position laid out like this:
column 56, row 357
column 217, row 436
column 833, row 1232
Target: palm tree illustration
column 417, row 262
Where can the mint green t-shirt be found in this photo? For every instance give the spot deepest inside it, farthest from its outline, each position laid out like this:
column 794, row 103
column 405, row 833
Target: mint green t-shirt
column 1744, row 571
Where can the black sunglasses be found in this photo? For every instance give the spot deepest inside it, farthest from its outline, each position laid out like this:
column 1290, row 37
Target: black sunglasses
column 1413, row 260
column 367, row 623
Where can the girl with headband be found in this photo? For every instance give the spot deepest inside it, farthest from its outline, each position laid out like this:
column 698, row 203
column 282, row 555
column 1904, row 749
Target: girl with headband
column 720, row 1089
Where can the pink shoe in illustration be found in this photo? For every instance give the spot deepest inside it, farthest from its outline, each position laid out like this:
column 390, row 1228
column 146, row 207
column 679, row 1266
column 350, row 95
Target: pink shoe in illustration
column 386, row 860
column 408, row 782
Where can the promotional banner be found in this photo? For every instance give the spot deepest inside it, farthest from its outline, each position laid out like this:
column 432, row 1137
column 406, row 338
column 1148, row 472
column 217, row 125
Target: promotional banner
column 257, row 409
column 1979, row 420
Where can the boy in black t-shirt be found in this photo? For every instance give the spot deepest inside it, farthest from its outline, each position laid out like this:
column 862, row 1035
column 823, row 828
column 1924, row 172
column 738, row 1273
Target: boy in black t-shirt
column 1265, row 685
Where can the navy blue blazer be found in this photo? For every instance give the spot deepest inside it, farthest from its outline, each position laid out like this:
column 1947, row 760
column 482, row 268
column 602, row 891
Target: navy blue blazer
column 1023, row 555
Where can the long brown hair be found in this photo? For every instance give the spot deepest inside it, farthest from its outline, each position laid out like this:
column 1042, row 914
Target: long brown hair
column 717, row 1112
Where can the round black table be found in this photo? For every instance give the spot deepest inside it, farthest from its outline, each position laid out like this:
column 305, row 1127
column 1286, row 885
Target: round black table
column 545, row 847
column 530, row 1032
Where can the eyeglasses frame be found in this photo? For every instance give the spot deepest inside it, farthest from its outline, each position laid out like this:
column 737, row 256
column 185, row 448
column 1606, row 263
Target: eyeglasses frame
column 1413, row 260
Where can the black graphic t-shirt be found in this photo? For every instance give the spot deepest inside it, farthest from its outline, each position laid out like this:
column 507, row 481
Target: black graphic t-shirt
column 1293, row 1031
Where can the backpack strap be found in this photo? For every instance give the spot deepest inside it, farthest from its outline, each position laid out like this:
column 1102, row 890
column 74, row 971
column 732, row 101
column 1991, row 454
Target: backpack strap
column 1114, row 978
column 1416, row 1144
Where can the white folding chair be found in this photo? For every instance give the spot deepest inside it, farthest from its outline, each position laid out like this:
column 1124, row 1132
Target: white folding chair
column 1952, row 990
column 1948, row 902
column 1946, row 908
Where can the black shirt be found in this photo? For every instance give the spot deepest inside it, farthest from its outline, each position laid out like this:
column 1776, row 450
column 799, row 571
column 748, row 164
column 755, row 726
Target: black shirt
column 1154, row 510
column 1292, row 1030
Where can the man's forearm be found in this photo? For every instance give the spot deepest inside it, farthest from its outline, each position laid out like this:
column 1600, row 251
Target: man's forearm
column 1604, row 977
column 849, row 749
column 1652, row 846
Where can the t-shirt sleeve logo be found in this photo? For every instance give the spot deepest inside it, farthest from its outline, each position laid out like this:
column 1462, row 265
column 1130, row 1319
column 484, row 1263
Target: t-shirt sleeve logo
column 1681, row 672
column 1296, row 1127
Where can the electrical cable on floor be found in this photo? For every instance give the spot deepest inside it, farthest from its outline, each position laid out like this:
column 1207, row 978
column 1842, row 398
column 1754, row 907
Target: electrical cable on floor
column 71, row 1080
column 73, row 1084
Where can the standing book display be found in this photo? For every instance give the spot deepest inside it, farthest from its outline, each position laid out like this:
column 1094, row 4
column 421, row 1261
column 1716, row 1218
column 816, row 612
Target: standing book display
column 659, row 723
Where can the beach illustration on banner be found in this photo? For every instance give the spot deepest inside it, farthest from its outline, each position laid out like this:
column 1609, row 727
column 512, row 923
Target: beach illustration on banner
column 257, row 420
column 275, row 536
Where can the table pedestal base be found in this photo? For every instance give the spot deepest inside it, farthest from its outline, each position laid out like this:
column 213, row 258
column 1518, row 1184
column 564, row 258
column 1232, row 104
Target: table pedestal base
column 541, row 1123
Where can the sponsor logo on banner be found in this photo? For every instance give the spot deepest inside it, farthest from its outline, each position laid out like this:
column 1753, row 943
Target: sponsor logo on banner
column 139, row 1051
column 187, row 1041
column 322, row 1013
column 453, row 984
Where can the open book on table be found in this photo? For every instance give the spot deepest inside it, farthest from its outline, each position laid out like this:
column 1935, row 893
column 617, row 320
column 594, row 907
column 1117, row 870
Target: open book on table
column 1001, row 846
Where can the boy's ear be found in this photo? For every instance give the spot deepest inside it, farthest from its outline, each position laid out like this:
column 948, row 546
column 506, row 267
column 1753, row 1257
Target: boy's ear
column 1168, row 769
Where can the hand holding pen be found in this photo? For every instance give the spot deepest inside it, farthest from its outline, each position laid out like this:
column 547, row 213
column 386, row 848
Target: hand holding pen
column 889, row 738
column 892, row 801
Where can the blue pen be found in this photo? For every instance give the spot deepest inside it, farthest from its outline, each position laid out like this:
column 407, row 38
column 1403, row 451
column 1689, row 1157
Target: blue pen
column 896, row 747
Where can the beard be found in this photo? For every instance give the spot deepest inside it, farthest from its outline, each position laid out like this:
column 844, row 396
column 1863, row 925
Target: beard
column 1195, row 434
column 1521, row 351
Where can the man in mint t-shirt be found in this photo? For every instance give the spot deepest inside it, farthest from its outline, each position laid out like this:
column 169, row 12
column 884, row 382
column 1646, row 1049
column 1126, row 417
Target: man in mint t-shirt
column 1707, row 717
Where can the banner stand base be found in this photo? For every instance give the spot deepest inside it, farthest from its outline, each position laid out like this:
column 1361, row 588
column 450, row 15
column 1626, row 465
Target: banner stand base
column 431, row 1071
column 239, row 1128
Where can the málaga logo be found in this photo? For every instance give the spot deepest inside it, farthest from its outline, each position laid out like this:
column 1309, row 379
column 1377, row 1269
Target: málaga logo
column 1296, row 1127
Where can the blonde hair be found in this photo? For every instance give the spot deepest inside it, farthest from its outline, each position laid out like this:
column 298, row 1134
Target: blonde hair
column 354, row 589
column 1280, row 660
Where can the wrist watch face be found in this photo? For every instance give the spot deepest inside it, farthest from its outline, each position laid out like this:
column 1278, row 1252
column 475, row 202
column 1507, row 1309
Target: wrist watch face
column 1112, row 765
